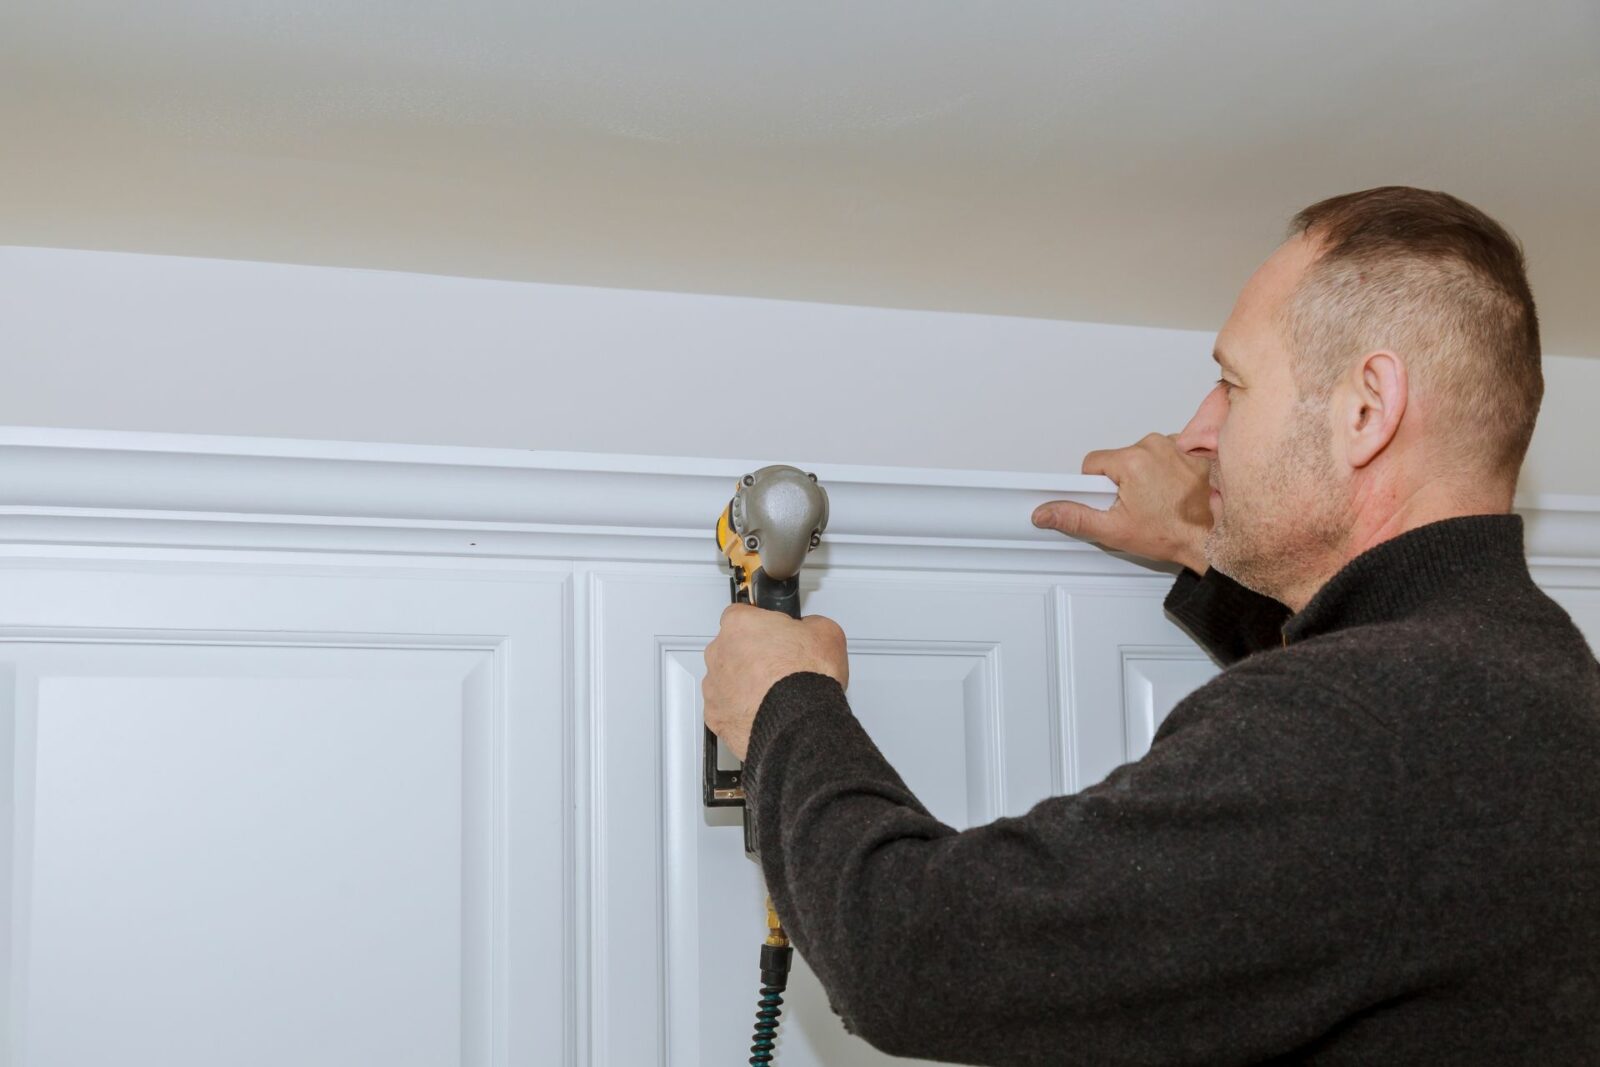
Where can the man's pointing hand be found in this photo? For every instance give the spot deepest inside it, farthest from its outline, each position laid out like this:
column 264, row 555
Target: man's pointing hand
column 1163, row 505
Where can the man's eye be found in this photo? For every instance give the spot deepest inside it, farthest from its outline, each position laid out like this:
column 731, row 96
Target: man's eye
column 1227, row 385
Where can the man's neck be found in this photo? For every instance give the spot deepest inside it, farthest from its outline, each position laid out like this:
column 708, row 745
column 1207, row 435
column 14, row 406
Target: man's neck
column 1373, row 525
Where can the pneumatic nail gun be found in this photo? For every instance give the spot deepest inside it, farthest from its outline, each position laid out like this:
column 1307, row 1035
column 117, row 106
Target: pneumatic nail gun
column 775, row 518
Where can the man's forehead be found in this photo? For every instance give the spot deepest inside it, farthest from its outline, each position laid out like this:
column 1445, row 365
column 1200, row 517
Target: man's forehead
column 1251, row 327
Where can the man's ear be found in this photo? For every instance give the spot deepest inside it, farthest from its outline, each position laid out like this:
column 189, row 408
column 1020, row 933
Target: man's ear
column 1371, row 408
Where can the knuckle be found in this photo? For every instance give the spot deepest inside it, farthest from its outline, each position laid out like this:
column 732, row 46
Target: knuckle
column 825, row 624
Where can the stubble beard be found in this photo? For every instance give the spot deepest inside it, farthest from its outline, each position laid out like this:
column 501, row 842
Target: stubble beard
column 1280, row 537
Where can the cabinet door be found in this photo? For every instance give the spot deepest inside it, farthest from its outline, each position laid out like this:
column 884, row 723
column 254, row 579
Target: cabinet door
column 1127, row 667
column 266, row 818
column 953, row 682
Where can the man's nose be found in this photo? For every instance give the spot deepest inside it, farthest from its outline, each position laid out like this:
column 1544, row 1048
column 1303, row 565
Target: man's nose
column 1199, row 438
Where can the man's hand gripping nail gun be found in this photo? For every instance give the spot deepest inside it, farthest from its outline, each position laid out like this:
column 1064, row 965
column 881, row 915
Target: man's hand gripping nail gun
column 776, row 517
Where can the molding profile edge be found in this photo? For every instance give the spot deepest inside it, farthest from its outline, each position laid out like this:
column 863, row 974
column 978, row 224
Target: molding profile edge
column 125, row 489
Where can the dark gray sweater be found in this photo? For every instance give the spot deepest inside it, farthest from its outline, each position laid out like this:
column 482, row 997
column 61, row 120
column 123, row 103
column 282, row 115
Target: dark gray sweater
column 1373, row 839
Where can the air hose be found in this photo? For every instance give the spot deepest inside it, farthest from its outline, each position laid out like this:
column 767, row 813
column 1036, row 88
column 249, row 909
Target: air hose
column 776, row 956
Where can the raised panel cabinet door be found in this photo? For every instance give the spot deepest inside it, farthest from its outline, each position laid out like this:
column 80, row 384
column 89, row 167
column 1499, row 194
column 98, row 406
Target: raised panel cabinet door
column 953, row 681
column 1127, row 667
column 263, row 818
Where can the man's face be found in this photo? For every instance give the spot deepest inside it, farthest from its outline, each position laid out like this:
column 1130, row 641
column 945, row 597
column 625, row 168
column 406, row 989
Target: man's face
column 1281, row 504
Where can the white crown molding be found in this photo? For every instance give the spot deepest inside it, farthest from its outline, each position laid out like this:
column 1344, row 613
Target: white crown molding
column 121, row 490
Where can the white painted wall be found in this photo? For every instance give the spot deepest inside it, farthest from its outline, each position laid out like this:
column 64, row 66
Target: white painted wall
column 137, row 342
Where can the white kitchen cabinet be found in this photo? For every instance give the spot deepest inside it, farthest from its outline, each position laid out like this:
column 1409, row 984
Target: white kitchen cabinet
column 952, row 681
column 324, row 753
column 261, row 817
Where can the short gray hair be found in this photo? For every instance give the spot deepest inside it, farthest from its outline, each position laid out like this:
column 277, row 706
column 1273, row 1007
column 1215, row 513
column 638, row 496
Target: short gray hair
column 1445, row 287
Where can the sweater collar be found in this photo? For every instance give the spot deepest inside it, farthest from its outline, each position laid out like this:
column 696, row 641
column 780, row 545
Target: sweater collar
column 1400, row 576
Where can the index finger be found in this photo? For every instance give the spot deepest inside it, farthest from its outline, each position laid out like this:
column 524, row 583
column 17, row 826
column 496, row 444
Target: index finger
column 1106, row 461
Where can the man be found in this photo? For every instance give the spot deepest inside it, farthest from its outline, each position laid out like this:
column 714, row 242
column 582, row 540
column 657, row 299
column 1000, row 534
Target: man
column 1374, row 838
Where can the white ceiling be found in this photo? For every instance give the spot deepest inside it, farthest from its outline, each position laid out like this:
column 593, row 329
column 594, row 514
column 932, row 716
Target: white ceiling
column 1113, row 162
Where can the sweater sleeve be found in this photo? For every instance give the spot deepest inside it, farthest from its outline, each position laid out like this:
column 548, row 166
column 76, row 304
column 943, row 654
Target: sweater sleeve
column 1220, row 900
column 1227, row 619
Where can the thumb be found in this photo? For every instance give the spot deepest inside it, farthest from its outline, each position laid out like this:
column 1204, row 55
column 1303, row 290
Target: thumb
column 1072, row 518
